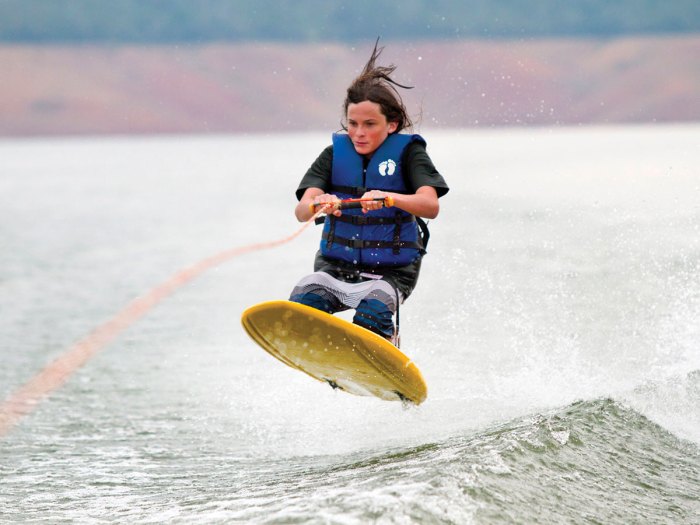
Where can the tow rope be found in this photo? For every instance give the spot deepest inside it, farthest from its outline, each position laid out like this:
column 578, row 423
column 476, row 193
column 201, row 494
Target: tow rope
column 26, row 398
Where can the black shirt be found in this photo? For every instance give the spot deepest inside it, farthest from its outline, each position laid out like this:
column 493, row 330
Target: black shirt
column 418, row 170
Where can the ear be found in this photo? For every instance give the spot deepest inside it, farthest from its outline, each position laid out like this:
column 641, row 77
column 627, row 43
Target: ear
column 392, row 127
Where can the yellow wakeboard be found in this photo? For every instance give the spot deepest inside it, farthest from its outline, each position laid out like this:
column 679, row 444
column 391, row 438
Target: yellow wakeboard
column 330, row 349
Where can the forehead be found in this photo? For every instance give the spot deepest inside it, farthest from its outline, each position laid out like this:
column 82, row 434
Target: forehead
column 365, row 110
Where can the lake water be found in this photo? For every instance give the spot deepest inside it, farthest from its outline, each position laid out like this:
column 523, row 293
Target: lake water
column 556, row 322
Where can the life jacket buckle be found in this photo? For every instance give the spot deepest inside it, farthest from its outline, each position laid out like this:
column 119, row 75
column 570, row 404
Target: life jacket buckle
column 356, row 243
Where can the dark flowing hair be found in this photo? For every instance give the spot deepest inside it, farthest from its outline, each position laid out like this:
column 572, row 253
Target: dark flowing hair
column 376, row 85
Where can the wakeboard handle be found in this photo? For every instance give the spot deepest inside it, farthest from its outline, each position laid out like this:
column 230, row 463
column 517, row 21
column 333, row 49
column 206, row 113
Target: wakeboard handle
column 346, row 204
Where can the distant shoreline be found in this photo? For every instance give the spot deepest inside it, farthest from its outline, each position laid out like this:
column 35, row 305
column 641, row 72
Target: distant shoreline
column 278, row 87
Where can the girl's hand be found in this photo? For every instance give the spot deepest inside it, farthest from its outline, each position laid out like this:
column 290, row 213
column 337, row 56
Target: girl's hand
column 370, row 205
column 330, row 202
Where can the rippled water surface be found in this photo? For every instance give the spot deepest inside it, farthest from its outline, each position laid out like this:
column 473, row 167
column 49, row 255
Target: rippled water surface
column 556, row 323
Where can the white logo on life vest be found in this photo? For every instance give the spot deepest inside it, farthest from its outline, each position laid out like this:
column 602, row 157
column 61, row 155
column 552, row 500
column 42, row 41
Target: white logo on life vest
column 388, row 167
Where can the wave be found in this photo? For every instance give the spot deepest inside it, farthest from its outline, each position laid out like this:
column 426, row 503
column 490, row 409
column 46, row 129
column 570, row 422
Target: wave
column 594, row 461
column 673, row 402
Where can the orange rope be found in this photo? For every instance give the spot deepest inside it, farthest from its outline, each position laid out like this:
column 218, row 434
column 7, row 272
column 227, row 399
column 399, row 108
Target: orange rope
column 25, row 399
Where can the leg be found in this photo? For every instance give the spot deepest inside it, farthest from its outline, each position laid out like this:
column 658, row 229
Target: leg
column 375, row 301
column 313, row 290
column 376, row 309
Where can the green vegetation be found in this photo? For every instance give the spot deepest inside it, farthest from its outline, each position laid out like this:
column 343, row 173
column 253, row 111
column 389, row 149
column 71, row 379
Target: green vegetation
column 154, row 21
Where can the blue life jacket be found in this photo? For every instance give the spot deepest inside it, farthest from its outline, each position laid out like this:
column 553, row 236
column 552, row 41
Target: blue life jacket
column 384, row 237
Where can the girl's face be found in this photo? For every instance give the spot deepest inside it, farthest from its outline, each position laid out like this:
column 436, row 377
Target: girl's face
column 368, row 127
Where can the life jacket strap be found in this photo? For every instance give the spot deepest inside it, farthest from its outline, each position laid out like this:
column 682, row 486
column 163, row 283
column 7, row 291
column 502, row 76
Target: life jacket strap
column 363, row 220
column 330, row 235
column 361, row 244
column 422, row 226
column 424, row 233
column 397, row 232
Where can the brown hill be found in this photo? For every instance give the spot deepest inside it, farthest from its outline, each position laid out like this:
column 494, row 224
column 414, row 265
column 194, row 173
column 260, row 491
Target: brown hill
column 284, row 87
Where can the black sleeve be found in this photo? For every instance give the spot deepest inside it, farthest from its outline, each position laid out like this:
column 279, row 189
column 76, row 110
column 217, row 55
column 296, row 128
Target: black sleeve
column 420, row 171
column 319, row 174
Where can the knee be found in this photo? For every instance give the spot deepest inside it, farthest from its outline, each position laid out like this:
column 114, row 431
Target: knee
column 313, row 300
column 375, row 316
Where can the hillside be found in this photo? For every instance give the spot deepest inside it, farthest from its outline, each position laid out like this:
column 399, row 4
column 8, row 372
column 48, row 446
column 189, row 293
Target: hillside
column 205, row 21
column 270, row 87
